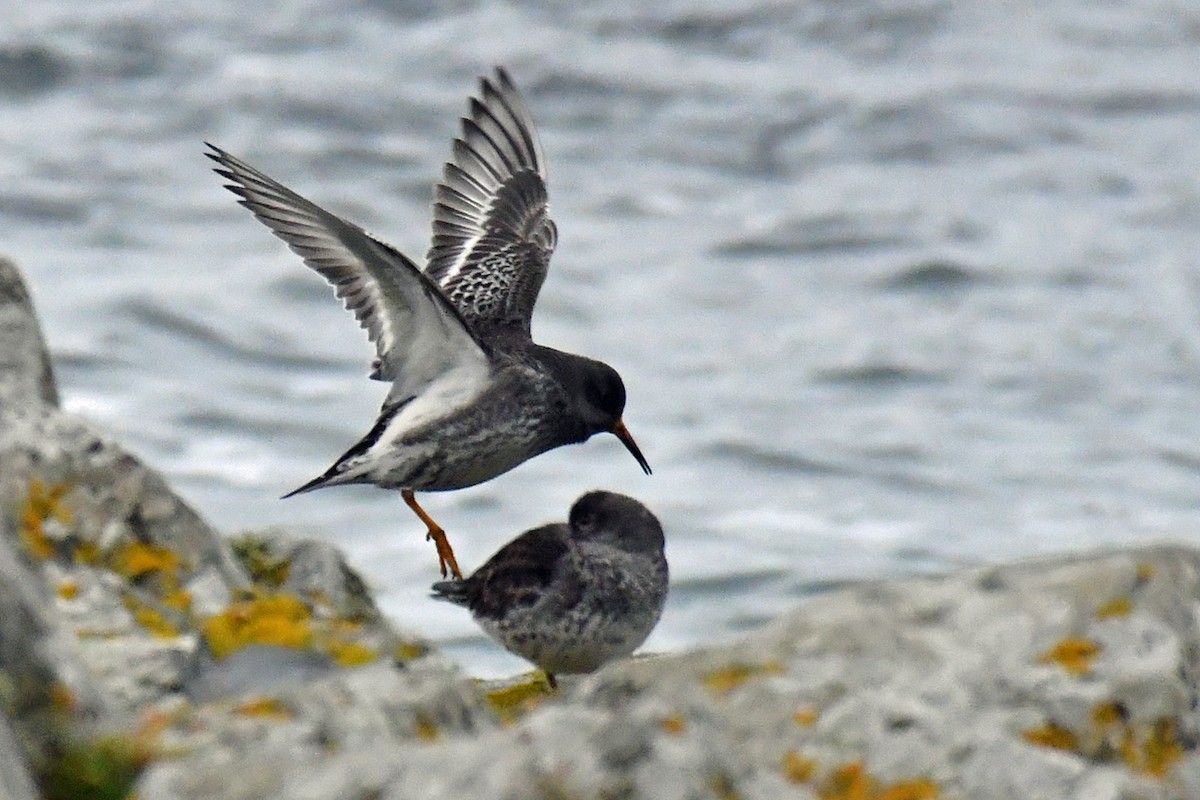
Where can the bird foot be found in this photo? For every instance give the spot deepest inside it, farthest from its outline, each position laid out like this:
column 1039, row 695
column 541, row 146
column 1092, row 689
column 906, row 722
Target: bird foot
column 445, row 553
column 446, row 557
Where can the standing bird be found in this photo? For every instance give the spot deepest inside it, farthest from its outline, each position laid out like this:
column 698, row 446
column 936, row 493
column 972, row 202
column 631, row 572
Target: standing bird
column 472, row 395
column 570, row 597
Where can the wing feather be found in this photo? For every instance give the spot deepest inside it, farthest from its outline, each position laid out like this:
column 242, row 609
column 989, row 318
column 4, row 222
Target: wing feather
column 492, row 234
column 418, row 334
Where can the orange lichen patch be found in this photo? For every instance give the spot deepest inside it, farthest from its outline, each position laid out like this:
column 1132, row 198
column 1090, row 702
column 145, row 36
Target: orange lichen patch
column 1148, row 748
column 1111, row 713
column 150, row 619
column 806, row 717
column 68, row 590
column 426, row 729
column 36, row 542
column 1153, row 750
column 674, row 724
column 851, row 781
column 351, row 654
column 138, row 559
column 725, row 680
column 1117, row 607
column 1074, row 654
column 1145, row 571
column 282, row 620
column 797, row 768
column 1051, row 735
column 847, row 782
column 265, row 708
column 43, row 503
column 919, row 789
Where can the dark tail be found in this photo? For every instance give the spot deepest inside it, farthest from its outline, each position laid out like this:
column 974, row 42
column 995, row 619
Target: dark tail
column 451, row 591
column 360, row 447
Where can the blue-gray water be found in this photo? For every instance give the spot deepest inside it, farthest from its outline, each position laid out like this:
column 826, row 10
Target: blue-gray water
column 894, row 286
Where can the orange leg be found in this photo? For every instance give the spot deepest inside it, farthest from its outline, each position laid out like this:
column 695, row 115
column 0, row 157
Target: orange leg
column 444, row 552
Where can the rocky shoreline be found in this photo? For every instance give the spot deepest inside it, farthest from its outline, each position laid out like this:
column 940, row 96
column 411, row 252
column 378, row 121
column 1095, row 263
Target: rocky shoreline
column 142, row 652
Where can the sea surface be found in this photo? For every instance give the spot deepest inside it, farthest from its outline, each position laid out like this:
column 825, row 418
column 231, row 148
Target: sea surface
column 895, row 287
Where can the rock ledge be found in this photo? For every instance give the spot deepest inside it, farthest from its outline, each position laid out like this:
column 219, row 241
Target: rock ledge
column 141, row 651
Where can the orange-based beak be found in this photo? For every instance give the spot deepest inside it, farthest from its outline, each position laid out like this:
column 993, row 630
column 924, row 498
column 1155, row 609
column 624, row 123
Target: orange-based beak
column 626, row 438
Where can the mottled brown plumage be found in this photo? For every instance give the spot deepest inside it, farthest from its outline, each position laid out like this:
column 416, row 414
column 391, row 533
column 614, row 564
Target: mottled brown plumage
column 570, row 597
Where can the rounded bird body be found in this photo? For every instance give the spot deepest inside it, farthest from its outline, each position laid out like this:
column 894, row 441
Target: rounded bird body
column 454, row 436
column 471, row 395
column 571, row 597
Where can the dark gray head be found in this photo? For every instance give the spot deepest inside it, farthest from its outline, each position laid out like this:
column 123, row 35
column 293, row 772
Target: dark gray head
column 617, row 520
column 601, row 403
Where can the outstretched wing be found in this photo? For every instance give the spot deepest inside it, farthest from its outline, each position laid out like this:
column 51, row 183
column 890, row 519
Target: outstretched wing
column 492, row 236
column 418, row 335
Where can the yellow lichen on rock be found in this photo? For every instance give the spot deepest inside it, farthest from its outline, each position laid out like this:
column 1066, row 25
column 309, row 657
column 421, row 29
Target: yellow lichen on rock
column 798, row 768
column 264, row 567
column 150, row 619
column 1150, row 748
column 265, row 708
column 722, row 786
column 513, row 701
column 426, row 729
column 138, row 559
column 87, row 553
column 1074, row 654
column 847, row 782
column 1110, row 713
column 43, row 503
column 1051, row 735
column 851, row 781
column 806, row 717
column 1153, row 749
column 1117, row 607
column 724, row 680
column 180, row 600
column 919, row 789
column 282, row 620
column 409, row 651
column 351, row 654
column 673, row 724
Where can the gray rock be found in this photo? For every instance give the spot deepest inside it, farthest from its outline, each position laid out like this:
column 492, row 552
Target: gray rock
column 114, row 594
column 111, row 497
column 26, row 379
column 254, row 669
column 43, row 673
column 1018, row 681
column 15, row 780
column 1064, row 678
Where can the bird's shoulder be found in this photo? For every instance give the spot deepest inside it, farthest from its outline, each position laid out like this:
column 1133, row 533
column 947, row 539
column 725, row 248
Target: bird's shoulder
column 519, row 572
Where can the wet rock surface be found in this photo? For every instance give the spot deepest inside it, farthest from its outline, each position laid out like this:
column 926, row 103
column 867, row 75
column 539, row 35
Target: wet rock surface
column 190, row 665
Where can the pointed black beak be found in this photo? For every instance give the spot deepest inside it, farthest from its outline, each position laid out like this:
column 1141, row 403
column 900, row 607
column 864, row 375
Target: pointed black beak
column 626, row 438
